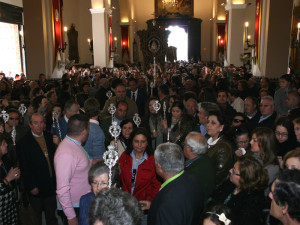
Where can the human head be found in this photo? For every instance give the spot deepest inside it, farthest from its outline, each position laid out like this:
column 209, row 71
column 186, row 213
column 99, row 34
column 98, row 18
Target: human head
column 249, row 174
column 291, row 159
column 132, row 84
column 3, row 145
column 52, row 97
column 14, row 117
column 114, row 207
column 250, row 105
column 264, row 82
column 121, row 110
column 120, row 92
column 195, row 145
column 285, row 81
column 37, row 92
column 127, row 128
column 263, row 142
column 71, row 108
column 222, row 97
column 104, row 82
column 213, row 216
column 99, row 174
column 177, row 109
column 296, row 123
column 78, row 126
column 239, row 119
column 267, row 106
column 85, row 87
column 242, row 136
column 191, row 106
column 204, row 108
column 36, row 123
column 285, row 196
column 215, row 124
column 292, row 100
column 284, row 129
column 140, row 131
column 91, row 107
column 169, row 159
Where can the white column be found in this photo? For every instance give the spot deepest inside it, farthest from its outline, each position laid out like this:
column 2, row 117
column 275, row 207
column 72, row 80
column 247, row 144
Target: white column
column 235, row 44
column 100, row 37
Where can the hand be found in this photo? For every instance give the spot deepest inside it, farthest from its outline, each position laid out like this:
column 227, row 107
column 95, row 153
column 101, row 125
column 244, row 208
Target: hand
column 73, row 221
column 35, row 191
column 145, row 204
column 13, row 173
column 56, row 139
column 238, row 153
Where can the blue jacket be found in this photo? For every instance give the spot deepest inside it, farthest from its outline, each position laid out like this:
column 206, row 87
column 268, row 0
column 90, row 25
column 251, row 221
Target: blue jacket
column 94, row 145
column 84, row 205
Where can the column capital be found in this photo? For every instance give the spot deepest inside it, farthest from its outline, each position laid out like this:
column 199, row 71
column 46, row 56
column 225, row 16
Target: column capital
column 97, row 10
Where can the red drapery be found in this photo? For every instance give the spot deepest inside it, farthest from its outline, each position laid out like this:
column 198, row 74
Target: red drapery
column 57, row 27
column 257, row 34
column 125, row 39
column 110, row 35
column 225, row 36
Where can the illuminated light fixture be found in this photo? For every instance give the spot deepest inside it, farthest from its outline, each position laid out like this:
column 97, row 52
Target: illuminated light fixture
column 115, row 38
column 65, row 29
column 298, row 32
column 124, row 43
column 219, row 37
column 125, row 20
column 169, row 3
column 249, row 37
column 89, row 40
column 221, row 18
column 247, row 24
column 238, row 2
column 222, row 41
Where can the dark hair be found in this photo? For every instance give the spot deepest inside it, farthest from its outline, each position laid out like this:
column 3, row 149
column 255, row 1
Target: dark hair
column 164, row 89
column 242, row 115
column 178, row 104
column 2, row 138
column 219, row 116
column 68, row 104
column 49, row 94
column 215, row 211
column 267, row 145
column 189, row 94
column 76, row 124
column 241, row 130
column 288, row 124
column 286, row 77
column 35, row 91
column 252, row 174
column 91, row 107
column 37, row 101
column 140, row 131
column 121, row 102
column 287, row 192
column 234, row 92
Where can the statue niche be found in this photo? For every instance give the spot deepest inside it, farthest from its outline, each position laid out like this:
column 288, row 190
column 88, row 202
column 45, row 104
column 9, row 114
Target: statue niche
column 73, row 44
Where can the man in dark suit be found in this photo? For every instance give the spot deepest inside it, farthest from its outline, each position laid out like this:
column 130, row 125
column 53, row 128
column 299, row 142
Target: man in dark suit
column 267, row 110
column 36, row 150
column 251, row 111
column 198, row 163
column 180, row 199
column 138, row 95
column 293, row 104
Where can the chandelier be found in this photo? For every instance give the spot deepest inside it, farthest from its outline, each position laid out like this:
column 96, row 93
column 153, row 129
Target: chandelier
column 169, row 3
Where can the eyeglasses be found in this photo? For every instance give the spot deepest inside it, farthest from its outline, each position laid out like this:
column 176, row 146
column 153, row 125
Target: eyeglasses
column 238, row 121
column 101, row 184
column 277, row 133
column 297, row 128
column 234, row 172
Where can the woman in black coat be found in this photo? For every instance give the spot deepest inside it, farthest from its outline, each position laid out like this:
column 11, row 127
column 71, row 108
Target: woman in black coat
column 243, row 193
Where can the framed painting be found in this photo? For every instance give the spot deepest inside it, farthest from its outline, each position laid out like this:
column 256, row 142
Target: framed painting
column 184, row 8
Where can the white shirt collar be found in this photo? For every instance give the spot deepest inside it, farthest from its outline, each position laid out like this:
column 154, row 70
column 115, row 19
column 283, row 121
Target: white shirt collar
column 94, row 121
column 210, row 141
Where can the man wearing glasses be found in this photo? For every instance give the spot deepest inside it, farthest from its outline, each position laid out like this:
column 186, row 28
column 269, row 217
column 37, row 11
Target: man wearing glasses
column 268, row 114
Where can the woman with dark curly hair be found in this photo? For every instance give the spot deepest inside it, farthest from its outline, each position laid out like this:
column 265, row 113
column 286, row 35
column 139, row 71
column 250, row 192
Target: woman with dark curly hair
column 218, row 215
column 138, row 175
column 243, row 193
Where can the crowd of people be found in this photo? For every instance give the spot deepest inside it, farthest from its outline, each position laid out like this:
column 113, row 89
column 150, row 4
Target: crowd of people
column 214, row 145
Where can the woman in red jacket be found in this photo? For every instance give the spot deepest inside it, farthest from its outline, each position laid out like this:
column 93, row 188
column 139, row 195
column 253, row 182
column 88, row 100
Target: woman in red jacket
column 138, row 176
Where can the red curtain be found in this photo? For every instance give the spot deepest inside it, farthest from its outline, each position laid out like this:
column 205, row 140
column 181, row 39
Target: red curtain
column 257, row 34
column 110, row 35
column 125, row 39
column 57, row 27
column 226, row 37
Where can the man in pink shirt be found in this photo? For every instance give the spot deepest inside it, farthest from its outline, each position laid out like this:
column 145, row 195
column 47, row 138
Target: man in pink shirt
column 71, row 166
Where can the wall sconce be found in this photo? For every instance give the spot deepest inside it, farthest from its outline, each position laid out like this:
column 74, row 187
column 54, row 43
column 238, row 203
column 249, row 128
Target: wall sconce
column 90, row 41
column 65, row 43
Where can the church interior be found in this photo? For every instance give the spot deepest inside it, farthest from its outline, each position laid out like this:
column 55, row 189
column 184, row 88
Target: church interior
column 105, row 32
